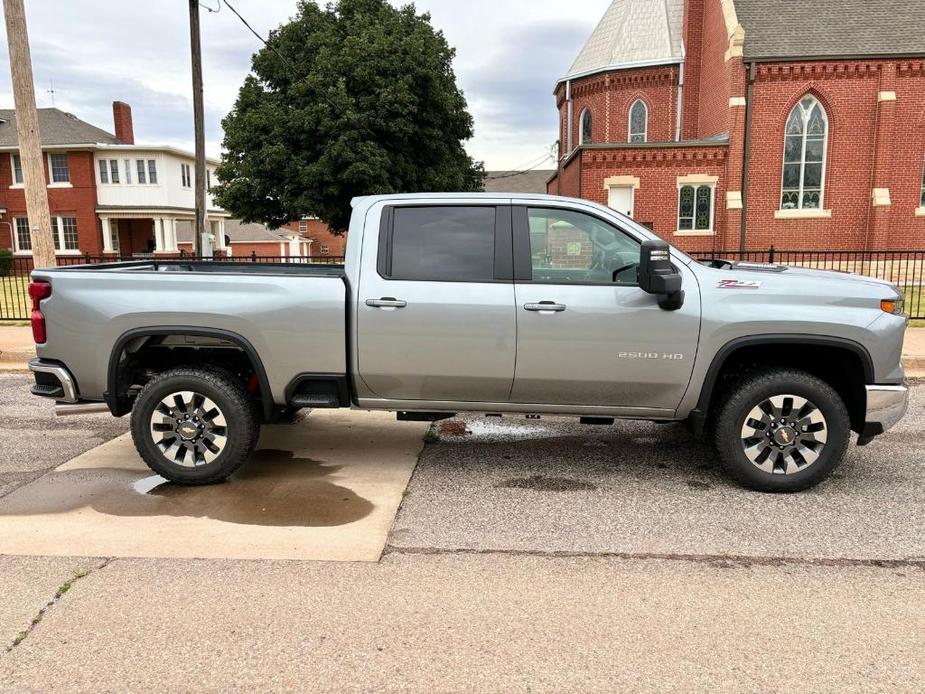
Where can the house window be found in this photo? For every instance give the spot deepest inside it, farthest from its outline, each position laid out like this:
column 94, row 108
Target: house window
column 185, row 178
column 695, row 207
column 639, row 121
column 208, row 180
column 128, row 171
column 805, row 141
column 140, row 166
column 303, row 226
column 104, row 171
column 325, row 250
column 584, row 134
column 114, row 170
column 17, row 169
column 152, row 171
column 23, row 235
column 65, row 231
column 60, row 173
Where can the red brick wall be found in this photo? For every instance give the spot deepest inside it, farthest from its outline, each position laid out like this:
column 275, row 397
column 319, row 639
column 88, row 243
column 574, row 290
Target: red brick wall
column 693, row 34
column 656, row 199
column 610, row 96
column 849, row 94
column 77, row 201
column 321, row 235
column 714, row 74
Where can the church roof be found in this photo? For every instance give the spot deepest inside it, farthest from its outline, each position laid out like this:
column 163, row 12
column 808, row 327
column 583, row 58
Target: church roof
column 777, row 29
column 633, row 33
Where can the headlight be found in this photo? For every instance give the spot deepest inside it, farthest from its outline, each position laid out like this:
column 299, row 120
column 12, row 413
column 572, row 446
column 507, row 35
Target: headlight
column 894, row 306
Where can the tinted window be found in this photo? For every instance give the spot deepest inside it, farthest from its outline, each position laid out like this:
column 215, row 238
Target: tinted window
column 567, row 246
column 443, row 243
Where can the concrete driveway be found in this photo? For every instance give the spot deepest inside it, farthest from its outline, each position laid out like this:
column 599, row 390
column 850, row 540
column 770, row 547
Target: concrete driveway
column 527, row 556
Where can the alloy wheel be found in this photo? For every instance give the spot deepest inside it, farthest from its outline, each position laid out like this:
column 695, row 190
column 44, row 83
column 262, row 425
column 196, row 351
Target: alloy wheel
column 784, row 434
column 189, row 429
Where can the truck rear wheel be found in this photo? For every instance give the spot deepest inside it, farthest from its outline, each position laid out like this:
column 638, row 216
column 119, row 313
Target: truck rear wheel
column 194, row 426
column 781, row 430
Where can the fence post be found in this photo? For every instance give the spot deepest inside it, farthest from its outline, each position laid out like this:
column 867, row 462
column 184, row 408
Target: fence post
column 771, row 255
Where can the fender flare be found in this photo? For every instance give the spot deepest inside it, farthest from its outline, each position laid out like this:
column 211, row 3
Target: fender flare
column 119, row 407
column 728, row 349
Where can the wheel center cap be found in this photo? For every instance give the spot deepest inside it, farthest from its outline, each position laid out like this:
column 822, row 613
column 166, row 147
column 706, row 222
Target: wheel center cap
column 188, row 430
column 784, row 436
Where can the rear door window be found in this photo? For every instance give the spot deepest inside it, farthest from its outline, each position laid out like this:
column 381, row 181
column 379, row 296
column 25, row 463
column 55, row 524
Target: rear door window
column 455, row 244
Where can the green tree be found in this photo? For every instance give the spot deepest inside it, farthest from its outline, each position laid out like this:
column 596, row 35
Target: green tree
column 357, row 98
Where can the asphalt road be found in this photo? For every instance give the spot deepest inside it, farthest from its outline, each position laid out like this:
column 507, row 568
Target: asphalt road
column 641, row 489
column 674, row 579
column 34, row 441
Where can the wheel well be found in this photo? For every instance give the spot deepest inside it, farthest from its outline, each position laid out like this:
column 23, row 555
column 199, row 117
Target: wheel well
column 140, row 355
column 842, row 367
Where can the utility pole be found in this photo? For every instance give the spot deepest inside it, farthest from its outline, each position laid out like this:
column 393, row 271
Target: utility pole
column 198, row 119
column 27, row 130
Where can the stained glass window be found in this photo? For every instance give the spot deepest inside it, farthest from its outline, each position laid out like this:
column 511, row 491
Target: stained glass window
column 639, row 121
column 695, row 208
column 805, row 139
column 584, row 137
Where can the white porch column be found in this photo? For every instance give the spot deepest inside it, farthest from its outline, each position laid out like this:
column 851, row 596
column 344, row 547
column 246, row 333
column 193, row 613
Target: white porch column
column 170, row 234
column 107, row 236
column 220, row 233
column 159, row 245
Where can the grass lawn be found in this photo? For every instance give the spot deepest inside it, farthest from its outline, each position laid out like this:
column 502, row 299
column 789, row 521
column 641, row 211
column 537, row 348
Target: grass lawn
column 14, row 298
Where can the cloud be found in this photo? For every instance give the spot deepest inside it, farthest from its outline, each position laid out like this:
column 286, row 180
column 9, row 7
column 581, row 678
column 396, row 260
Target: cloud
column 509, row 55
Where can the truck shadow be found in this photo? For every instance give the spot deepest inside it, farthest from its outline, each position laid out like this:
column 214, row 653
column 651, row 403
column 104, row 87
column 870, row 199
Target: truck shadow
column 274, row 488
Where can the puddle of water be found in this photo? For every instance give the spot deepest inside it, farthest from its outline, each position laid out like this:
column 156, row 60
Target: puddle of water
column 275, row 488
column 520, row 431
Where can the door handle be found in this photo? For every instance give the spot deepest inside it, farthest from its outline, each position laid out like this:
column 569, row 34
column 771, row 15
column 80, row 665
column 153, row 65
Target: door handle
column 386, row 302
column 545, row 307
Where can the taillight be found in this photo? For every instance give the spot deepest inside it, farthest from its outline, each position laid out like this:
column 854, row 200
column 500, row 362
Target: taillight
column 39, row 291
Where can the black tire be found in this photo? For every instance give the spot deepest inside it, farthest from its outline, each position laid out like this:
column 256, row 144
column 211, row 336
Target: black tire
column 238, row 435
column 755, row 391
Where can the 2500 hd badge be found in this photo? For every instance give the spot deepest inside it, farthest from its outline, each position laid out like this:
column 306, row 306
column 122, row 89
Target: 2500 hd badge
column 649, row 355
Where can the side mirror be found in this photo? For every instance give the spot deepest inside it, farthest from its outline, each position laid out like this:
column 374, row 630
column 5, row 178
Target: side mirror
column 656, row 275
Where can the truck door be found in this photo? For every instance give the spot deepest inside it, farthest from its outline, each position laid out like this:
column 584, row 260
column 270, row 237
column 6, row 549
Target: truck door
column 586, row 334
column 435, row 307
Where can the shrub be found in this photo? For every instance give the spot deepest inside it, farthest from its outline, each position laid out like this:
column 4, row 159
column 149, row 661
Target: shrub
column 6, row 261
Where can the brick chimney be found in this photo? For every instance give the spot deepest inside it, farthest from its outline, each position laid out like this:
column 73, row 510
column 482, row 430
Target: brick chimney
column 122, row 118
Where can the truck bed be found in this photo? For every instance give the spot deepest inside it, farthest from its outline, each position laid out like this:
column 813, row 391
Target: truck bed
column 243, row 267
column 291, row 315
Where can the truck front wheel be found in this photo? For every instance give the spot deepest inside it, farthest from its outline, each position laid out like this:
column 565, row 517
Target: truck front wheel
column 781, row 430
column 194, row 426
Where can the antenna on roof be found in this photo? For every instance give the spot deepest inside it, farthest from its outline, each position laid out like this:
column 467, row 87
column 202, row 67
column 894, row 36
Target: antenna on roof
column 51, row 91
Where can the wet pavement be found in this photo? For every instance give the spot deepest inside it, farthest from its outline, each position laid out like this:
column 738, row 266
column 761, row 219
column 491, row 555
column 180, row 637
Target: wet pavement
column 326, row 488
column 527, row 556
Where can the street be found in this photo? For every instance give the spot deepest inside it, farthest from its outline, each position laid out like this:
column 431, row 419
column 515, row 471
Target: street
column 527, row 556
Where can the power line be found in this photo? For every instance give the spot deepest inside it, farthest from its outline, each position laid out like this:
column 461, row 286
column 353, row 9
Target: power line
column 217, row 9
column 512, row 174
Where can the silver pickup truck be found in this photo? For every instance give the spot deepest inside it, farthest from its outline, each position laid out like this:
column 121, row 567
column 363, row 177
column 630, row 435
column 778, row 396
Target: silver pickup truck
column 499, row 304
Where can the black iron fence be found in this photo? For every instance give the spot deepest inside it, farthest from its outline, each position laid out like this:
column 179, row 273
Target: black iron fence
column 15, row 304
column 904, row 268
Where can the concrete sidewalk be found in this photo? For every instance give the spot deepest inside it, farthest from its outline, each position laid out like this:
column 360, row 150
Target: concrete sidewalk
column 16, row 349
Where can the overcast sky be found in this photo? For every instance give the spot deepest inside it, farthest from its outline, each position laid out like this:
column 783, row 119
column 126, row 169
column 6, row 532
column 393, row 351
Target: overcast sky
column 509, row 55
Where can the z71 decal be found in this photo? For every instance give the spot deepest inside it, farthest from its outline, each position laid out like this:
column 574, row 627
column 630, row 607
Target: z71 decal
column 738, row 284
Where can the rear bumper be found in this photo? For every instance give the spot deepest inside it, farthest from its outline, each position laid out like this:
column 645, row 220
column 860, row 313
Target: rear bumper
column 886, row 405
column 53, row 381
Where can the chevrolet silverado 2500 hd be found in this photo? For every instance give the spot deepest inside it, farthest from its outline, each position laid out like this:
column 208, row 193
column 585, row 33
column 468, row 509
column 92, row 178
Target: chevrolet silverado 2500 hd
column 489, row 303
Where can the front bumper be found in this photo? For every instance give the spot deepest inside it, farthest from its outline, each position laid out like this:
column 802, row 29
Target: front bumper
column 886, row 405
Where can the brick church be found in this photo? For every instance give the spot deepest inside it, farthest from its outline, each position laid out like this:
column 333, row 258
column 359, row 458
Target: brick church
column 731, row 124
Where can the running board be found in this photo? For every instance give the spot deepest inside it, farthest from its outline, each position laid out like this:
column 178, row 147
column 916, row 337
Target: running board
column 424, row 416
